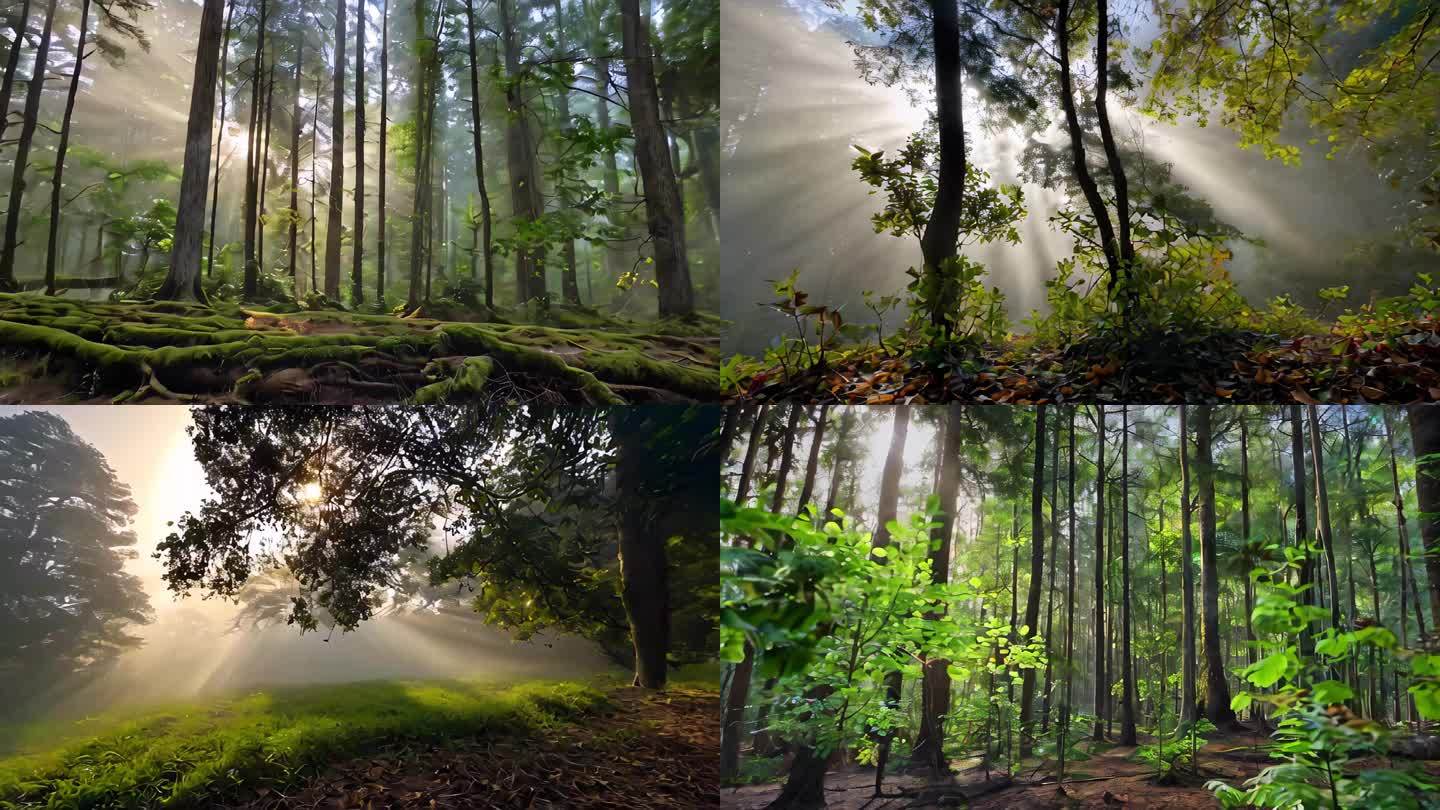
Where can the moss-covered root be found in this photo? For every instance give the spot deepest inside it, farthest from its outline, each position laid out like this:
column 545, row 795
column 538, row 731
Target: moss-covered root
column 469, row 381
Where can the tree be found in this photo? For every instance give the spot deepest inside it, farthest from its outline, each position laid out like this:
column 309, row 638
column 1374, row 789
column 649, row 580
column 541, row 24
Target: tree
column 334, row 225
column 1102, row 686
column 929, row 748
column 1127, row 663
column 357, row 239
column 182, row 282
column 58, row 176
column 1037, row 577
column 1217, row 689
column 67, row 604
column 479, row 146
column 1425, row 437
column 664, row 215
column 520, row 489
column 14, row 204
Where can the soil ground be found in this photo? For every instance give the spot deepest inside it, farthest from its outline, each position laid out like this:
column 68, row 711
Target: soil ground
column 1110, row 778
column 651, row 750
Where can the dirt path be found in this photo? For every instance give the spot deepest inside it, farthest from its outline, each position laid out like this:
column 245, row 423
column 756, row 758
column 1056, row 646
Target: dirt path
column 1109, row 778
column 651, row 750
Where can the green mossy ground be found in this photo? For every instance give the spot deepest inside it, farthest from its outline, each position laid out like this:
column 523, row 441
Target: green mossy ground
column 54, row 349
column 202, row 754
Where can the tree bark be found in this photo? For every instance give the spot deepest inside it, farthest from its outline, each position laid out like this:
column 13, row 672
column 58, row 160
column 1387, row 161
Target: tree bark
column 1112, row 153
column 1217, row 689
column 1127, row 662
column 1102, row 687
column 57, row 178
column 886, row 512
column 485, row 243
column 1322, row 514
column 1188, row 624
column 183, row 279
column 747, row 468
column 380, row 232
column 662, row 194
column 787, row 457
column 1037, row 579
column 940, row 241
column 643, row 567
column 14, row 204
column 357, row 241
column 335, row 217
column 295, row 127
column 807, row 489
column 1077, row 145
column 219, row 138
column 929, row 748
column 19, row 24
column 1302, row 524
column 254, row 156
column 1425, row 435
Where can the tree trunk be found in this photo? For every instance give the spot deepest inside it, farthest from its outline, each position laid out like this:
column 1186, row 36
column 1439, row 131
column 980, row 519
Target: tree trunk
column 1112, row 153
column 1425, row 434
column 1070, row 668
column 662, row 194
column 1217, row 688
column 357, row 240
column 57, row 178
column 254, row 156
column 295, row 169
column 569, row 282
column 380, row 232
column 929, row 748
column 610, row 175
column 1050, row 588
column 1302, row 530
column 1127, row 663
column 14, row 204
column 219, row 138
column 1188, row 701
column 1322, row 514
column 1077, row 146
column 643, row 567
column 520, row 159
column 182, row 281
column 807, row 489
column 263, row 167
column 886, row 511
column 335, row 217
column 19, row 24
column 1037, row 579
column 787, row 457
column 480, row 159
column 940, row 241
column 804, row 787
column 1102, row 687
column 747, row 468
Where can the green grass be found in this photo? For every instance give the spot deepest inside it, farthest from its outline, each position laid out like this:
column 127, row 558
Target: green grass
column 197, row 755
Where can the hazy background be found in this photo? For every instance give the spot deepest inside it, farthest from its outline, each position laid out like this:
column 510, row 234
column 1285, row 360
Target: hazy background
column 193, row 647
column 793, row 104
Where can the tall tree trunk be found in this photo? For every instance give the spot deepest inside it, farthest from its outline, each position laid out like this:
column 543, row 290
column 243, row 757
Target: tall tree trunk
column 335, row 217
column 520, row 159
column 263, row 167
column 610, row 174
column 1302, row 524
column 295, row 126
column 1425, row 435
column 1077, row 145
column 1037, row 580
column 254, row 157
column 807, row 489
column 476, row 132
column 886, row 511
column 747, row 468
column 357, row 241
column 1322, row 515
column 569, row 282
column 929, row 748
column 1407, row 571
column 662, row 194
column 1102, row 686
column 847, row 422
column 57, row 178
column 380, row 232
column 19, row 23
column 643, row 565
column 1251, row 655
column 1112, row 153
column 1054, row 564
column 1217, row 689
column 940, row 241
column 14, row 204
column 1070, row 668
column 787, row 457
column 219, row 137
column 1127, row 662
column 1190, row 667
column 183, row 279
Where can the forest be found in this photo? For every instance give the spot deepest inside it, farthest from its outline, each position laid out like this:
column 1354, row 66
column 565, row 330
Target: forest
column 1102, row 606
column 417, row 200
column 1027, row 201
column 440, row 607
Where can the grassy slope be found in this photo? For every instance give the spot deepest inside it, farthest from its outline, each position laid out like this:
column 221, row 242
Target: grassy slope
column 134, row 350
column 197, row 755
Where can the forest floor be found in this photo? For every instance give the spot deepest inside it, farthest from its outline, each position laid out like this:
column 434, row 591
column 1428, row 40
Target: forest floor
column 1111, row 777
column 391, row 745
column 1343, row 366
column 55, row 350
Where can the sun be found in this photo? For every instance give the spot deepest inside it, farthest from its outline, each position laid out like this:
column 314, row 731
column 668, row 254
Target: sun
column 311, row 492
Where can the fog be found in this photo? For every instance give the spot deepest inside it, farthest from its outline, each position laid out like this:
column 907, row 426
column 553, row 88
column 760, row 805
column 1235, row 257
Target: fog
column 197, row 646
column 793, row 104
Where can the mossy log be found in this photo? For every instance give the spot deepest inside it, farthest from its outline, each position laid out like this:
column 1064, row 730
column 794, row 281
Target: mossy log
column 127, row 351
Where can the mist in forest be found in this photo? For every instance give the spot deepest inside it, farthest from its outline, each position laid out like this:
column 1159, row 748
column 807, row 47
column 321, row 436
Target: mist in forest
column 794, row 105
column 193, row 647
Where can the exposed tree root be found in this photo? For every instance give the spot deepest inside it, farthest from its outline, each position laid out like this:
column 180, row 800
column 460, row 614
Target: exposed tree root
column 127, row 352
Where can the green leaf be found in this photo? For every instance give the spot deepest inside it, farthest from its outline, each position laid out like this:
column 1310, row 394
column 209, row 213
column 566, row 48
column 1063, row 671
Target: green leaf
column 1267, row 671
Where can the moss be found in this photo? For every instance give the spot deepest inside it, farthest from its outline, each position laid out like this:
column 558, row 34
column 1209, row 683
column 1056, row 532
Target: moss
column 468, row 381
column 634, row 368
column 47, row 339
